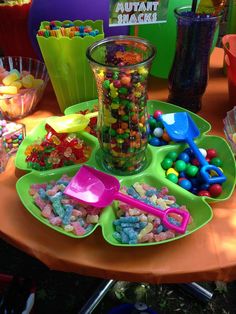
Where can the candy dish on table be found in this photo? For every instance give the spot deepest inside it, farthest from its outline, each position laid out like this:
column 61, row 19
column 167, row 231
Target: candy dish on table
column 153, row 174
column 23, row 81
column 205, row 255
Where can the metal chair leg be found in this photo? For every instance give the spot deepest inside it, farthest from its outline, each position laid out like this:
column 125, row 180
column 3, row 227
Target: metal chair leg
column 197, row 291
column 97, row 296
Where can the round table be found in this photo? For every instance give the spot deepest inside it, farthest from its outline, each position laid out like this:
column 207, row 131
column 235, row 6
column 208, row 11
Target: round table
column 206, row 255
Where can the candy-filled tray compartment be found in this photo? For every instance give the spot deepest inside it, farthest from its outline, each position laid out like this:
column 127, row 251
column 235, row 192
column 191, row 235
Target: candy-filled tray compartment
column 50, row 152
column 199, row 210
column 152, row 175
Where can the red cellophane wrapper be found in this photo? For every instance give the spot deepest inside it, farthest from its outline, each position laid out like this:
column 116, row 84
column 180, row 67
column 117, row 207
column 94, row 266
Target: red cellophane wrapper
column 14, row 37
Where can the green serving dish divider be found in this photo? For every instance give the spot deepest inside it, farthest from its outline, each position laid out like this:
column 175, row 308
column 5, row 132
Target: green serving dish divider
column 153, row 174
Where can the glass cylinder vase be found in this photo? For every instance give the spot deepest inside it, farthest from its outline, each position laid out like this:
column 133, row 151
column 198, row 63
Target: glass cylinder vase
column 121, row 67
column 189, row 73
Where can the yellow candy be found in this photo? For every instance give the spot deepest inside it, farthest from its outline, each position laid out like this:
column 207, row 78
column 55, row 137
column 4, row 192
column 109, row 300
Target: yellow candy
column 145, row 230
column 37, row 83
column 120, row 140
column 27, row 81
column 10, row 78
column 172, row 170
column 142, row 71
column 115, row 106
column 101, row 74
column 213, row 173
column 234, row 138
column 12, row 90
column 17, row 84
column 137, row 94
column 112, row 87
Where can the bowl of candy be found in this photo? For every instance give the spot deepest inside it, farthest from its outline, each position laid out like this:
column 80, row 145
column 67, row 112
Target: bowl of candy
column 230, row 128
column 22, row 83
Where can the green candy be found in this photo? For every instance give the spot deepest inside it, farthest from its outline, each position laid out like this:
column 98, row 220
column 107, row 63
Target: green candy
column 125, row 102
column 115, row 75
column 167, row 163
column 180, row 165
column 152, row 123
column 172, row 177
column 125, row 135
column 112, row 132
column 191, row 170
column 172, row 155
column 106, row 85
column 216, row 162
column 125, row 118
column 123, row 90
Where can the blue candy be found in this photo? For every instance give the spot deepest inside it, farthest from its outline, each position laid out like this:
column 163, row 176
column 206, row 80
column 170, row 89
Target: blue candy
column 131, row 191
column 117, row 236
column 154, row 141
column 42, row 194
column 58, row 208
column 67, row 215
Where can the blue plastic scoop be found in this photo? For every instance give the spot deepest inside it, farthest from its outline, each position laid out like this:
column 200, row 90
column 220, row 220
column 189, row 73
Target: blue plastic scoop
column 181, row 128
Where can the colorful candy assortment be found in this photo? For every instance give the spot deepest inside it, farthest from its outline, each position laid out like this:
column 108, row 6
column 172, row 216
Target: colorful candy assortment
column 66, row 29
column 183, row 169
column 61, row 210
column 12, row 134
column 133, row 226
column 157, row 134
column 122, row 129
column 57, row 150
column 3, row 156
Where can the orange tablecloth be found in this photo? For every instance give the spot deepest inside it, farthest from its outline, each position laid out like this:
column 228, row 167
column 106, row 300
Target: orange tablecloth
column 206, row 255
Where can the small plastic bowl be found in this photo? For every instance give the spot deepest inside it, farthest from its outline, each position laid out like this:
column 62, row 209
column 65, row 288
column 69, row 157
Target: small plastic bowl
column 24, row 102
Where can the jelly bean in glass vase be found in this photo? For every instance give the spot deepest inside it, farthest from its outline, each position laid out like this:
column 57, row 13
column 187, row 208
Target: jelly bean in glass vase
column 121, row 67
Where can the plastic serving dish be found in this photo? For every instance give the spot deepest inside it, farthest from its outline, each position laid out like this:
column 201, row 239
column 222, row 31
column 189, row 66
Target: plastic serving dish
column 153, row 174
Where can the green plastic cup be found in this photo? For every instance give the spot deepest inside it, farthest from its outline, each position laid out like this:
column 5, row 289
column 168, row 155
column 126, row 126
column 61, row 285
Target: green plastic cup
column 67, row 66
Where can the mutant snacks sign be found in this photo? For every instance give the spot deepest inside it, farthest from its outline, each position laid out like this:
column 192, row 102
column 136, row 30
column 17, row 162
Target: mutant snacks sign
column 130, row 12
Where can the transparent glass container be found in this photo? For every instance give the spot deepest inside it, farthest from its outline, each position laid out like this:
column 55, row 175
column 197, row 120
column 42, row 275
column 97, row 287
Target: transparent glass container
column 121, row 67
column 189, row 73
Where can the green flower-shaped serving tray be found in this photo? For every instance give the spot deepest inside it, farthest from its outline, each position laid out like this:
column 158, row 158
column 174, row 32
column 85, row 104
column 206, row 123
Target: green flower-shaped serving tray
column 153, row 174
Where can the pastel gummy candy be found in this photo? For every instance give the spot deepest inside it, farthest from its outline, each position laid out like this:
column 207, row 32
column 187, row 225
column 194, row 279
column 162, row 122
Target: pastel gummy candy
column 61, row 210
column 133, row 226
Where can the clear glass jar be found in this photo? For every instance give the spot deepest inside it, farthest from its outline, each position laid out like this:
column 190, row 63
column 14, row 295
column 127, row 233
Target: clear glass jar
column 189, row 73
column 121, row 67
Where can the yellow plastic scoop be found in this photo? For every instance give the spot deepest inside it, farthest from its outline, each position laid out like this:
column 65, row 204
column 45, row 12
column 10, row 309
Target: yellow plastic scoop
column 71, row 123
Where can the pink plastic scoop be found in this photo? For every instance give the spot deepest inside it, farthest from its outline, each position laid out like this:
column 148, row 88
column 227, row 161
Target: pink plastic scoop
column 96, row 188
